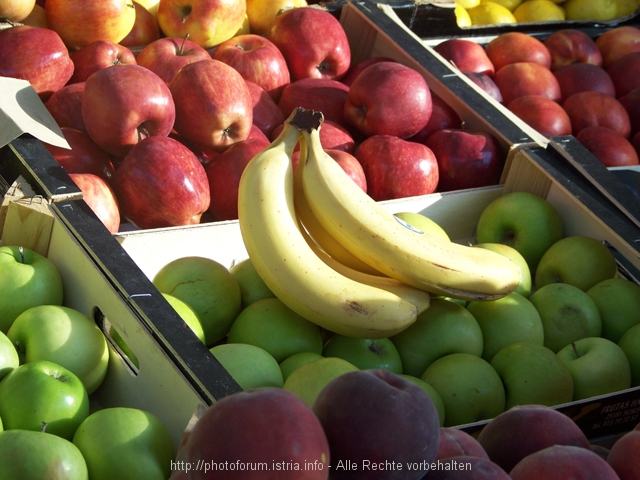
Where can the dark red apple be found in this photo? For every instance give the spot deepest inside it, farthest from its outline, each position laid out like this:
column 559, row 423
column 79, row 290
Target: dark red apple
column 526, row 78
column 161, row 183
column 466, row 158
column 213, row 104
column 348, row 162
column 145, row 29
column 608, row 146
column 266, row 113
column 397, row 168
column 388, row 98
column 455, row 443
column 475, row 468
column 256, row 133
column 590, row 109
column 313, row 43
column 258, row 60
column 442, row 116
column 543, row 114
column 517, row 47
column 486, row 83
column 617, row 42
column 570, row 45
column 583, row 77
column 321, row 94
column 98, row 55
column 624, row 73
column 124, row 104
column 167, row 55
column 354, row 70
column 467, row 55
column 100, row 197
column 205, row 155
column 35, row 54
column 332, row 137
column 631, row 103
column 65, row 106
column 623, row 455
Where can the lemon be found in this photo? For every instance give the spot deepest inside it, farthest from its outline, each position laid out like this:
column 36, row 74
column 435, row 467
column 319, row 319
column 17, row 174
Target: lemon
column 462, row 17
column 508, row 4
column 626, row 7
column 539, row 11
column 490, row 13
column 470, row 3
column 590, row 9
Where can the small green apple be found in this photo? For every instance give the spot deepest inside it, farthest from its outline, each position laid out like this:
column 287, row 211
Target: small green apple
column 8, row 356
column 470, row 388
column 433, row 394
column 63, row 336
column 445, row 327
column 250, row 366
column 533, row 373
column 578, row 260
column 252, row 287
column 43, row 391
column 270, row 324
column 618, row 301
column 423, row 223
column 27, row 279
column 295, row 361
column 208, row 288
column 365, row 353
column 27, row 455
column 125, row 443
column 522, row 220
column 308, row 380
column 567, row 314
column 507, row 320
column 524, row 286
column 188, row 315
column 126, row 350
column 598, row 366
column 629, row 345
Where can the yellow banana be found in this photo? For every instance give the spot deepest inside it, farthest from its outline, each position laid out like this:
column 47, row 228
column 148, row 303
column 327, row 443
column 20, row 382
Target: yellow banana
column 376, row 237
column 282, row 257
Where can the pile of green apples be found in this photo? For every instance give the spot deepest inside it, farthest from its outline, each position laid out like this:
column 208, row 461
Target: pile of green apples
column 52, row 358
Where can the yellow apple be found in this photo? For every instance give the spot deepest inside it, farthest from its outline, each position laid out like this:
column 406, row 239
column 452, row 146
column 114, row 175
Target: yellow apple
column 16, row 10
column 151, row 5
column 37, row 17
column 262, row 14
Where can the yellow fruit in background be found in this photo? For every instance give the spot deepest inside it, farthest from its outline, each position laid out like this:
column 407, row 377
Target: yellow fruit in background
column 626, row 7
column 471, row 3
column 590, row 9
column 151, row 5
column 490, row 13
column 510, row 5
column 262, row 13
column 244, row 29
column 539, row 11
column 462, row 17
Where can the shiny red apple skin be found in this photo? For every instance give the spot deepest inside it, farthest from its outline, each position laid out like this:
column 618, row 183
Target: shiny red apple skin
column 124, row 104
column 98, row 55
column 321, row 94
column 608, row 146
column 161, row 183
column 570, row 45
column 355, row 70
column 442, row 116
column 100, row 197
column 388, row 98
column 466, row 55
column 65, row 106
column 526, row 78
column 581, row 77
column 591, row 109
column 35, row 54
column 145, row 29
column 167, row 55
column 313, row 43
column 213, row 104
column 517, row 47
column 266, row 113
column 258, row 60
column 486, row 83
column 617, row 42
column 397, row 168
column 543, row 114
column 466, row 158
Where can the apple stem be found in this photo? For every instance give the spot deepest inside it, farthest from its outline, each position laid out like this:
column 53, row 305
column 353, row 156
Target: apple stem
column 575, row 350
column 184, row 40
column 21, row 251
column 44, row 427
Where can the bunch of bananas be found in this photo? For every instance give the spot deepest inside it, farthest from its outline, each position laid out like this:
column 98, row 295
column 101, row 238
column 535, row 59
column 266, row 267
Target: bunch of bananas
column 338, row 258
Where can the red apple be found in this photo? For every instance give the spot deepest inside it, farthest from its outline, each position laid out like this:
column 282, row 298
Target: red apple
column 35, row 54
column 467, row 55
column 442, row 116
column 124, row 104
column 100, row 197
column 631, row 103
column 590, row 109
column 582, row 77
column 543, row 114
column 313, row 43
column 98, row 55
column 266, row 113
column 161, row 183
column 486, row 83
column 65, row 106
column 455, row 443
column 145, row 29
column 517, row 47
column 525, row 78
column 256, row 133
column 617, row 42
column 608, row 146
column 625, row 73
column 332, row 137
column 623, row 455
column 397, row 168
column 83, row 157
column 80, row 23
column 354, row 70
column 213, row 104
column 388, row 98
column 466, row 158
column 347, row 161
column 570, row 45
column 204, row 155
column 321, row 94
column 167, row 55
column 258, row 60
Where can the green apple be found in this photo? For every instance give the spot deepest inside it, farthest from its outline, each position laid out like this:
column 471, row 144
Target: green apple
column 27, row 455
column 578, row 260
column 308, row 381
column 295, row 361
column 8, row 356
column 507, row 320
column 423, row 223
column 126, row 350
column 443, row 328
column 63, row 336
column 618, row 301
column 252, row 287
column 598, row 366
column 567, row 314
column 270, row 324
column 250, row 366
column 533, row 373
column 433, row 394
column 125, row 443
column 524, row 286
column 42, row 391
column 629, row 345
column 188, row 315
column 522, row 220
column 27, row 279
column 208, row 288
column 469, row 387
column 365, row 353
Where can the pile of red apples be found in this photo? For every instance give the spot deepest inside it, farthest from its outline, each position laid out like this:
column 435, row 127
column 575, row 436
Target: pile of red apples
column 565, row 84
column 161, row 133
